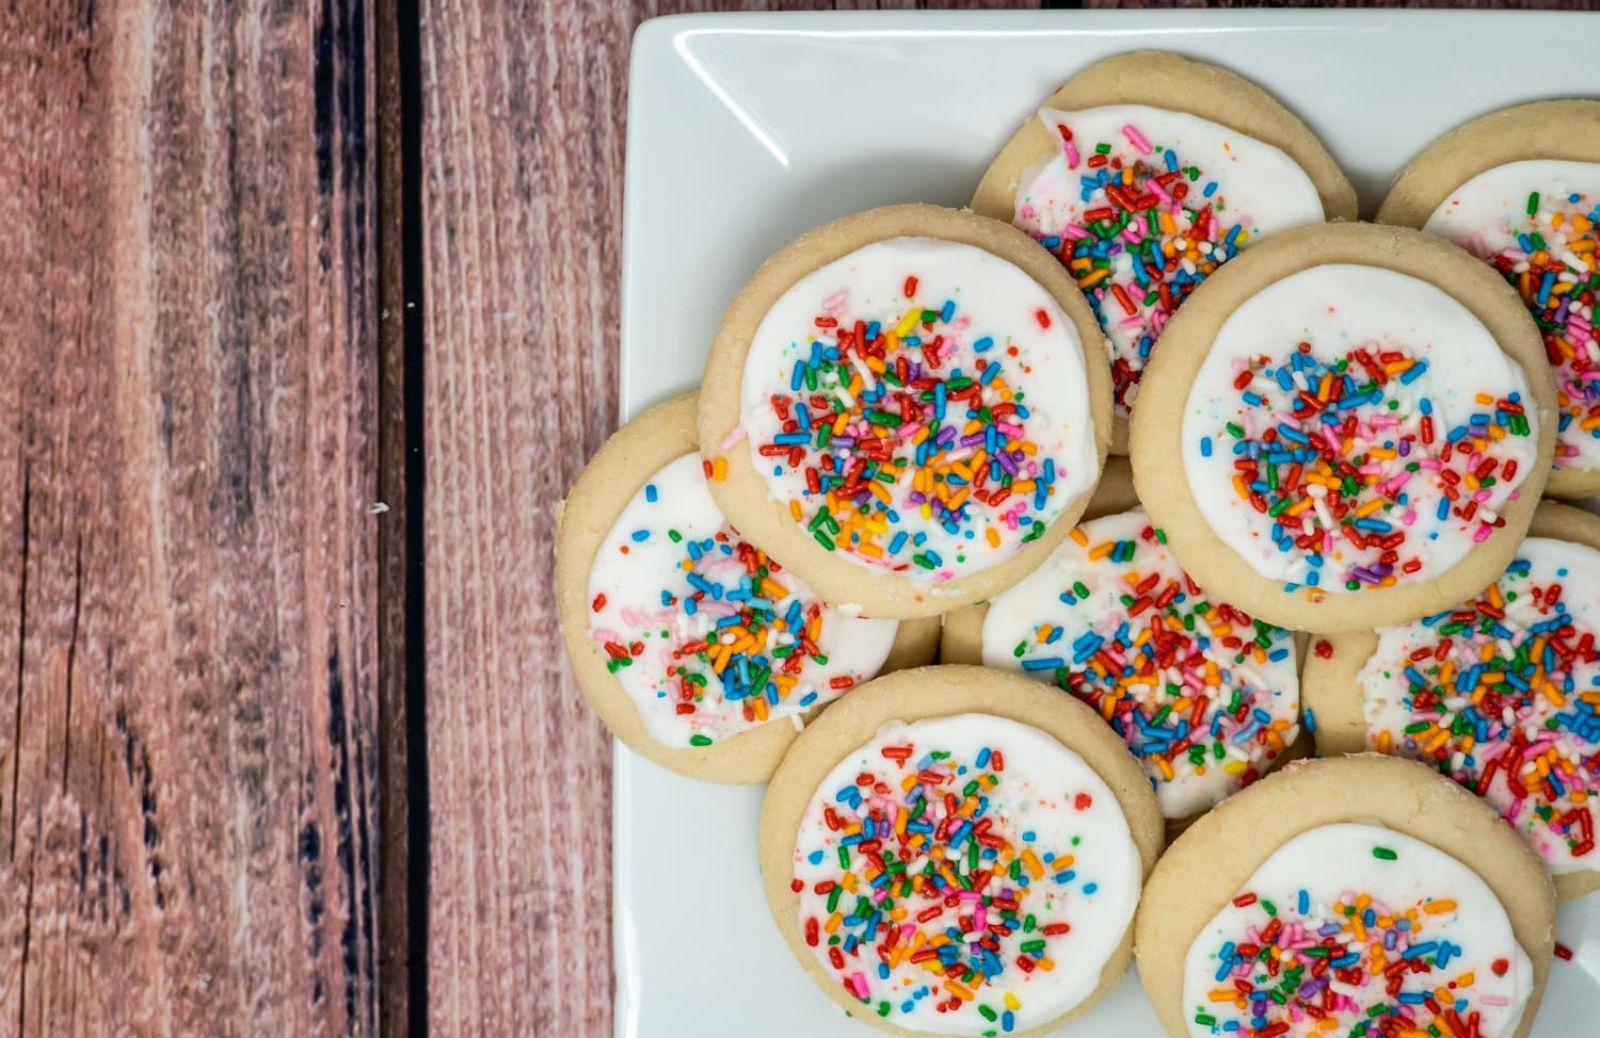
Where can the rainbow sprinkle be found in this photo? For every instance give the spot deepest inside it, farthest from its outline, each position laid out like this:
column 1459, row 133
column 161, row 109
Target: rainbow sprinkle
column 729, row 639
column 1171, row 670
column 1553, row 266
column 882, row 419
column 930, row 874
column 1352, row 969
column 1494, row 699
column 1330, row 451
column 1151, row 229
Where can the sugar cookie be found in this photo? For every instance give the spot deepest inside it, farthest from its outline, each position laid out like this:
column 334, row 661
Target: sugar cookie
column 683, row 635
column 1349, row 425
column 1500, row 692
column 1347, row 892
column 954, row 850
column 899, row 408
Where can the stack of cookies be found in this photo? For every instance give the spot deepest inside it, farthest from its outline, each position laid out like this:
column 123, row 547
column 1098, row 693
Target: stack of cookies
column 1186, row 479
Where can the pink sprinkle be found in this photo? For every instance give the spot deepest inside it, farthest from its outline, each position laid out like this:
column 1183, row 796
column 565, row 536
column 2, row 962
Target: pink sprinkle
column 735, row 435
column 1480, row 535
column 1136, row 139
column 858, row 980
column 1070, row 150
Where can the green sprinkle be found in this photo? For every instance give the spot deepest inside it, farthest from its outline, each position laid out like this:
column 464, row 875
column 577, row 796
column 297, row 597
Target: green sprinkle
column 1384, row 853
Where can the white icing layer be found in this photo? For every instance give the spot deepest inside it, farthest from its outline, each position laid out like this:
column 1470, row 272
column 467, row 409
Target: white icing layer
column 1057, row 849
column 642, row 586
column 1418, row 901
column 1165, row 676
column 1550, row 598
column 1236, row 179
column 1339, row 308
column 971, row 319
column 1490, row 217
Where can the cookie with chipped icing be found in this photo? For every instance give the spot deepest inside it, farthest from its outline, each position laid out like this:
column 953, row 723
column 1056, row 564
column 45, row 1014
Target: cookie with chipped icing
column 1343, row 896
column 955, row 850
column 1206, row 698
column 697, row 650
column 1500, row 692
column 1520, row 189
column 907, row 407
column 1143, row 174
column 1348, row 425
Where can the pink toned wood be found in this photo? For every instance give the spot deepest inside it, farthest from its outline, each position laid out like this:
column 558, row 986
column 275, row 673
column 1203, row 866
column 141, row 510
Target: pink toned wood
column 187, row 561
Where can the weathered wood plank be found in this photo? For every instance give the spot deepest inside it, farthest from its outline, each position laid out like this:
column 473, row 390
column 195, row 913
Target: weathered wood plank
column 188, row 755
column 395, row 564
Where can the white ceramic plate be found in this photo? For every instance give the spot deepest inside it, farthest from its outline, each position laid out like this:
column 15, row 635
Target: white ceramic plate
column 743, row 131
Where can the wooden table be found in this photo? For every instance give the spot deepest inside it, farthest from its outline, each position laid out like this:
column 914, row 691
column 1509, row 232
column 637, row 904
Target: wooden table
column 309, row 317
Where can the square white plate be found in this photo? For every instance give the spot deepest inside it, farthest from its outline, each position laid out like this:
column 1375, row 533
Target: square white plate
column 743, row 131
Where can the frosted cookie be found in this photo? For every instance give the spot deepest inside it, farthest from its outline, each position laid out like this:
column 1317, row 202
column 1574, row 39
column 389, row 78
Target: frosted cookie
column 1354, row 896
column 1146, row 171
column 954, row 850
column 696, row 649
column 911, row 406
column 1520, row 189
column 1348, row 426
column 1205, row 697
column 1500, row 692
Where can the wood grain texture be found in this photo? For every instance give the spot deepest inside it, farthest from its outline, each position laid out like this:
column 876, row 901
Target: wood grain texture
column 188, row 754
column 395, row 844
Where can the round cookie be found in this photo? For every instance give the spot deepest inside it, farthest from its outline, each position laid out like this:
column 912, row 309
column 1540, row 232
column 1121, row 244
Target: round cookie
column 1241, row 166
column 1494, row 185
column 1347, row 426
column 703, row 734
column 1366, row 856
column 1556, row 573
column 1206, row 699
column 1055, row 827
column 908, row 407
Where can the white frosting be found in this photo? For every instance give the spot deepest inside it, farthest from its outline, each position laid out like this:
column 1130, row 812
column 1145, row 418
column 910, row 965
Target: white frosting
column 1488, row 215
column 1043, row 619
column 633, row 573
column 1048, row 804
column 999, row 317
column 1559, row 718
column 1334, row 865
column 1251, row 184
column 1337, row 308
